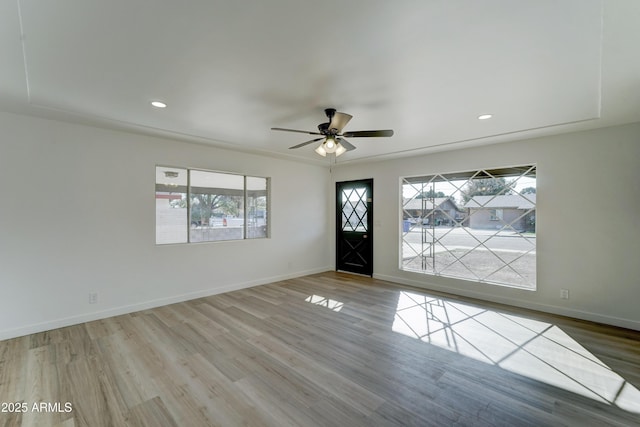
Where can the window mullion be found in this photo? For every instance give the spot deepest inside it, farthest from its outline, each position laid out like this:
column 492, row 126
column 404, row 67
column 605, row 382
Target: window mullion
column 188, row 206
column 245, row 208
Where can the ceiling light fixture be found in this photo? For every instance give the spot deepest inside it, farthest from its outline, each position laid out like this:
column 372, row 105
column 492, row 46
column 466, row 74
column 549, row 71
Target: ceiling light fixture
column 485, row 116
column 158, row 104
column 320, row 150
column 340, row 150
column 330, row 145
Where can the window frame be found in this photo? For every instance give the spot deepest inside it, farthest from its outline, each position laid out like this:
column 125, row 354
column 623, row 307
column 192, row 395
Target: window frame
column 409, row 250
column 245, row 196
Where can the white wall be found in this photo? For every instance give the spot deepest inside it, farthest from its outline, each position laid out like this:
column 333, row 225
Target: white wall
column 588, row 221
column 77, row 215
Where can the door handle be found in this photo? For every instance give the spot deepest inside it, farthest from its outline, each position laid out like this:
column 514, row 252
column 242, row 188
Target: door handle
column 364, row 236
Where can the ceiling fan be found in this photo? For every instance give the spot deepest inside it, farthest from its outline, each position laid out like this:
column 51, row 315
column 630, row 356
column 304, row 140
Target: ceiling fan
column 331, row 131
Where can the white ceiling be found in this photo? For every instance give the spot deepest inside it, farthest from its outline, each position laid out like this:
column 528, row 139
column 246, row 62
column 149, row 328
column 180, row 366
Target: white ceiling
column 231, row 70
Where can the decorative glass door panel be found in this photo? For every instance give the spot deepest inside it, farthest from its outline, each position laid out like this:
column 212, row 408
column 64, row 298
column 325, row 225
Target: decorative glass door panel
column 354, row 239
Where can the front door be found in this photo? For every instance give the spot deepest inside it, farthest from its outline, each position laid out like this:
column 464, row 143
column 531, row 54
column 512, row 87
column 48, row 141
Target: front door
column 354, row 226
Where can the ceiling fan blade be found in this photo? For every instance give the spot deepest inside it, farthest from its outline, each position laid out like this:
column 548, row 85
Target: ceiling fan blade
column 339, row 121
column 298, row 131
column 306, row 143
column 346, row 144
column 368, row 133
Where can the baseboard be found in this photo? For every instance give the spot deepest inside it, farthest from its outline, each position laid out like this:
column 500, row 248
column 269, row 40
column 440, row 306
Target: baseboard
column 562, row 311
column 117, row 311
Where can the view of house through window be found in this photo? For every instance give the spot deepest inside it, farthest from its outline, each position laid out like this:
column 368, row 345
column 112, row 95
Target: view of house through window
column 477, row 225
column 204, row 206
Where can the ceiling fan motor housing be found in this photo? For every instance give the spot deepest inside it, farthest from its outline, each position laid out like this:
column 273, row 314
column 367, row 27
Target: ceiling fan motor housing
column 323, row 128
column 330, row 112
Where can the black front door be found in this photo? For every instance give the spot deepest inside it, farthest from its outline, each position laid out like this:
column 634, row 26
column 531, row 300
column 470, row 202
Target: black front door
column 354, row 226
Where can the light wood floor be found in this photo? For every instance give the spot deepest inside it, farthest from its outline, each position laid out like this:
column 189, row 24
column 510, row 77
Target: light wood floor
column 328, row 349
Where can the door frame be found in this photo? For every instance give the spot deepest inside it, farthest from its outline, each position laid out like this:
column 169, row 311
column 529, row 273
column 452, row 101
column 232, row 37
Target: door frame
column 368, row 234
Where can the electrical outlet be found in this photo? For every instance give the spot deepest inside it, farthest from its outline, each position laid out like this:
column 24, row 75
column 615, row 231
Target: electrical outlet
column 93, row 297
column 564, row 293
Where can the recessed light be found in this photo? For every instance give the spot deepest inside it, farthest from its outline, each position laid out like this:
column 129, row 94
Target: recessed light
column 485, row 116
column 158, row 104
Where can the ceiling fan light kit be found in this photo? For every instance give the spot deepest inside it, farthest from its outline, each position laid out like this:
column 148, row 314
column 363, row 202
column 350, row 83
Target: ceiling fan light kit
column 334, row 142
column 330, row 146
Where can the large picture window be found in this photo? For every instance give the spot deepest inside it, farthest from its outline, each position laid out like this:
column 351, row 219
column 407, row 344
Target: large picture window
column 476, row 225
column 203, row 206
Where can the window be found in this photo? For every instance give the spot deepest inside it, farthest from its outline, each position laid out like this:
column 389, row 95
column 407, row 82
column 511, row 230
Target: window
column 476, row 225
column 496, row 214
column 256, row 207
column 217, row 206
column 354, row 209
column 171, row 206
column 204, row 206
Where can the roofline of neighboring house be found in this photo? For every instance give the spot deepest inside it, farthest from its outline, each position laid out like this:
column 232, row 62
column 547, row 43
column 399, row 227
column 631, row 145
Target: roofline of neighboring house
column 524, row 202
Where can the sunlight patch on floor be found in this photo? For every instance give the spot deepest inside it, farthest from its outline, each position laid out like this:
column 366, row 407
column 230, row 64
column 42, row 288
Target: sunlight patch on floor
column 325, row 302
column 534, row 349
